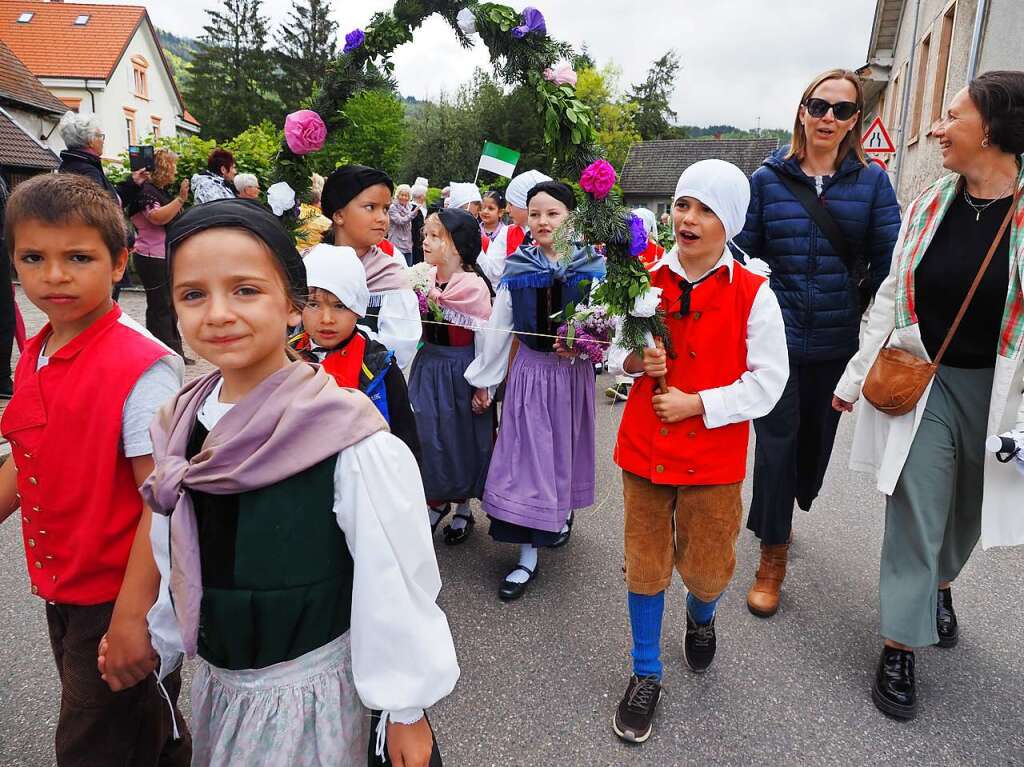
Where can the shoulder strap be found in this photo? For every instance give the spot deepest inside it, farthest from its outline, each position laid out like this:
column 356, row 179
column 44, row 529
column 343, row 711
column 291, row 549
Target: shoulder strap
column 977, row 278
column 820, row 215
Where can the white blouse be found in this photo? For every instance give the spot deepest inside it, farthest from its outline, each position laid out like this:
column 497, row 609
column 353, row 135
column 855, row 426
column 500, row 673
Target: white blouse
column 398, row 324
column 493, row 344
column 403, row 656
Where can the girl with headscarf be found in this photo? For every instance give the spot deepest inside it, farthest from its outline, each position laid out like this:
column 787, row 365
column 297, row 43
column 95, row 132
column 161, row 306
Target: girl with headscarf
column 543, row 463
column 308, row 619
column 356, row 199
column 683, row 450
column 456, row 432
column 492, row 262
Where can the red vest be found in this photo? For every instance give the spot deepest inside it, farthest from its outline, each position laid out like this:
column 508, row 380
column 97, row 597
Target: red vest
column 652, row 255
column 514, row 237
column 710, row 345
column 387, row 247
column 79, row 503
column 346, row 364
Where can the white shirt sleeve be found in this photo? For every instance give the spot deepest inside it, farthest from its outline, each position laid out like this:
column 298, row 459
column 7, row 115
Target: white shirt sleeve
column 759, row 389
column 403, row 656
column 155, row 386
column 492, row 262
column 493, row 343
column 398, row 326
column 617, row 354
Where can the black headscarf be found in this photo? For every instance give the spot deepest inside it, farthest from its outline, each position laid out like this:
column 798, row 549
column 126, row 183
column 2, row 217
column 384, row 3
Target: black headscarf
column 242, row 214
column 464, row 231
column 561, row 192
column 346, row 182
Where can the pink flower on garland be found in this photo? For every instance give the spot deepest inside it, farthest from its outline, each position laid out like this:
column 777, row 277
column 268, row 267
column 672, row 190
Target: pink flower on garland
column 304, row 131
column 598, row 179
column 563, row 74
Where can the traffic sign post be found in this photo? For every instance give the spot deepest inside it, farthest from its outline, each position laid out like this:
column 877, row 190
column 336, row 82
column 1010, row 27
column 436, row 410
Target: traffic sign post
column 876, row 139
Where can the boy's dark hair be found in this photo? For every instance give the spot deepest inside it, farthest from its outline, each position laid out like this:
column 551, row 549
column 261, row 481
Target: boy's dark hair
column 219, row 158
column 63, row 198
column 999, row 96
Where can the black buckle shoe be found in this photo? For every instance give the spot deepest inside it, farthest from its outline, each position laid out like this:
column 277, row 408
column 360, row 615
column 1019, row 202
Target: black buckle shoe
column 563, row 538
column 894, row 692
column 510, row 590
column 454, row 536
column 945, row 619
column 700, row 645
column 634, row 717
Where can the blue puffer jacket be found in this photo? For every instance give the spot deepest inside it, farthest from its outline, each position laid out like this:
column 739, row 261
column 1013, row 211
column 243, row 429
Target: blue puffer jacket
column 819, row 302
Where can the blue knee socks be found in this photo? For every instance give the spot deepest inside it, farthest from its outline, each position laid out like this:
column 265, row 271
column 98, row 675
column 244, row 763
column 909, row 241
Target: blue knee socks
column 645, row 619
column 701, row 612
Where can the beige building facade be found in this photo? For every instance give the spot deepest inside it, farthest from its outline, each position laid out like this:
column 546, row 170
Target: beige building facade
column 921, row 54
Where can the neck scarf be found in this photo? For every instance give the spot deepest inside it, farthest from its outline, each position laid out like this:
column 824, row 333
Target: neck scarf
column 465, row 301
column 383, row 273
column 528, row 267
column 264, row 439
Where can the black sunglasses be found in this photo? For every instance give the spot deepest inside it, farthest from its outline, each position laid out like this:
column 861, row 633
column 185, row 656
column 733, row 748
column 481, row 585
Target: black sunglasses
column 843, row 110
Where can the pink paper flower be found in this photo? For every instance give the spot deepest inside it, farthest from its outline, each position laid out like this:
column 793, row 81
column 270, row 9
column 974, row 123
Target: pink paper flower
column 598, row 179
column 563, row 74
column 304, row 131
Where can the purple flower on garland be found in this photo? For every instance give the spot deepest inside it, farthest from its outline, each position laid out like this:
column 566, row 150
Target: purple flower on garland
column 598, row 179
column 533, row 21
column 424, row 304
column 637, row 235
column 353, row 40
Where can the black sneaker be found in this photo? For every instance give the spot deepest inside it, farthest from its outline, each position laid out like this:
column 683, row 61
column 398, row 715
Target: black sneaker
column 894, row 691
column 945, row 620
column 6, row 388
column 634, row 717
column 700, row 644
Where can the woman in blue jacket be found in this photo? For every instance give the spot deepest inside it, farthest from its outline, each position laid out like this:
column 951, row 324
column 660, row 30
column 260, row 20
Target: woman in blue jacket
column 822, row 274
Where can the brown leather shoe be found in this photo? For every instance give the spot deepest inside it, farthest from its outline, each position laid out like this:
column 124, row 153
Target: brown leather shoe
column 763, row 598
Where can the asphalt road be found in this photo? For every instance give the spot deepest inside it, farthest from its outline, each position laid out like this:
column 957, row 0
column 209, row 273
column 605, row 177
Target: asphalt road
column 541, row 677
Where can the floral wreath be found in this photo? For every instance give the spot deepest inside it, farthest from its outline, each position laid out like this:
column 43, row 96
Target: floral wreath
column 524, row 54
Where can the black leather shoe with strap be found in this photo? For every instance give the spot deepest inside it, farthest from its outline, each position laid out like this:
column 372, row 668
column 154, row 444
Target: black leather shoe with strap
column 510, row 590
column 945, row 620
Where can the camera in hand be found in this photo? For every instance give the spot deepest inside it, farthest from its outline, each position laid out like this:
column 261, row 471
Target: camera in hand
column 140, row 157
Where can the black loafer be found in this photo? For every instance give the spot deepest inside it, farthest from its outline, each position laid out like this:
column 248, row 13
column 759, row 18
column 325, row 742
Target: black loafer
column 945, row 620
column 453, row 537
column 700, row 644
column 510, row 590
column 894, row 691
column 444, row 513
column 563, row 538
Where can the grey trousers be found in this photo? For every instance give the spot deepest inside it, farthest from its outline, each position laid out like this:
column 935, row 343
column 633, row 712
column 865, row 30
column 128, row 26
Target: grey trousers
column 933, row 518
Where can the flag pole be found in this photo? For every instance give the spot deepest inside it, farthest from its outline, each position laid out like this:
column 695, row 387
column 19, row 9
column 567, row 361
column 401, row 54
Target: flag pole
column 477, row 176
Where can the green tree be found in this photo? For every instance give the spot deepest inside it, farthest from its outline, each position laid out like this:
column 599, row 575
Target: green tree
column 374, row 134
column 306, row 46
column 615, row 116
column 654, row 115
column 232, row 75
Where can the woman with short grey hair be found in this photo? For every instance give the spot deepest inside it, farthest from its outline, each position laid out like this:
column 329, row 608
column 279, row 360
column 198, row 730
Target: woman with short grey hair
column 401, row 213
column 84, row 137
column 248, row 186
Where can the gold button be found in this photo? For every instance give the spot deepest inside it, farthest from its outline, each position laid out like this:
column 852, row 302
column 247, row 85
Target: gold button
column 42, row 532
column 18, row 496
column 33, row 481
column 28, row 455
column 693, row 355
column 35, row 508
column 692, row 434
column 691, row 471
column 659, row 468
column 50, row 556
column 39, row 565
column 53, row 578
column 26, row 520
column 677, row 315
column 696, row 315
column 32, row 542
column 35, row 589
column 664, row 431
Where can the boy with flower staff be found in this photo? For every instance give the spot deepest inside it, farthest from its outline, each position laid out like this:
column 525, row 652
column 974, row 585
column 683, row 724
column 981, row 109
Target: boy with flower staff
column 683, row 451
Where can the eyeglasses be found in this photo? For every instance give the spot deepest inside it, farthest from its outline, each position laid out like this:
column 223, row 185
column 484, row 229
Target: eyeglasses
column 843, row 110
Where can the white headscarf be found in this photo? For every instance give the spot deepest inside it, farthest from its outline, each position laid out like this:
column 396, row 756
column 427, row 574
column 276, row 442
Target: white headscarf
column 650, row 221
column 338, row 269
column 463, row 194
column 521, row 185
column 722, row 187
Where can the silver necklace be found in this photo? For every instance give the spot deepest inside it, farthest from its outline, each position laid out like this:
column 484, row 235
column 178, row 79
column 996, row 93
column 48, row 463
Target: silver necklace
column 979, row 209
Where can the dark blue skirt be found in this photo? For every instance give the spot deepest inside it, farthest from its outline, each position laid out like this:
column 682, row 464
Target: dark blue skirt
column 456, row 444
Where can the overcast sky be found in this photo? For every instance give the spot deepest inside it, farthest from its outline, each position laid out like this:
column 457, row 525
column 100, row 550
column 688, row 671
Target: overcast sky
column 741, row 59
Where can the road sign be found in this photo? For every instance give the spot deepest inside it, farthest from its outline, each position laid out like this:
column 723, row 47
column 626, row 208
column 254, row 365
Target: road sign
column 876, row 140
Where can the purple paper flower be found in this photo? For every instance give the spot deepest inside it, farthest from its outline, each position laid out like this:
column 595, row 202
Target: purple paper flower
column 637, row 235
column 424, row 304
column 598, row 179
column 533, row 21
column 353, row 40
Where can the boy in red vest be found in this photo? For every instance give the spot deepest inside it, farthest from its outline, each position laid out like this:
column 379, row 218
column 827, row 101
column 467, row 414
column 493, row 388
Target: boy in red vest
column 86, row 389
column 683, row 451
column 338, row 299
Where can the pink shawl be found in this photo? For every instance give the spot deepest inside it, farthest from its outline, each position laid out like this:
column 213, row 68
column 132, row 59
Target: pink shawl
column 465, row 300
column 383, row 272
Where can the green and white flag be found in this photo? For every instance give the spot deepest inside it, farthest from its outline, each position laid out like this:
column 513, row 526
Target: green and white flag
column 498, row 159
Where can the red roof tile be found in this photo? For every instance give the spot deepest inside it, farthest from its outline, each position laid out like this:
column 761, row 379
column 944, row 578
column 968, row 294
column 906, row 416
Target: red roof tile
column 18, row 149
column 19, row 86
column 51, row 45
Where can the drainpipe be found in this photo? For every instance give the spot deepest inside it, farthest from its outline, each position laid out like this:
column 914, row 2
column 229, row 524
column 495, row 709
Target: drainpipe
column 92, row 95
column 904, row 117
column 979, row 22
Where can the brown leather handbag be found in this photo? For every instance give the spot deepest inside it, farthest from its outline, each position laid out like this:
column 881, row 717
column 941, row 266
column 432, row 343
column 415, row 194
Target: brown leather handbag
column 897, row 379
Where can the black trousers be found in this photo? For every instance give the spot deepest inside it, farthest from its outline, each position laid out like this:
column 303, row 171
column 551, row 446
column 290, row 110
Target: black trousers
column 160, row 318
column 7, row 321
column 794, row 444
